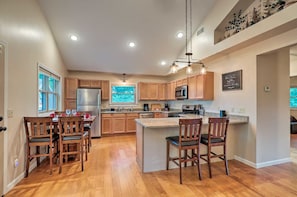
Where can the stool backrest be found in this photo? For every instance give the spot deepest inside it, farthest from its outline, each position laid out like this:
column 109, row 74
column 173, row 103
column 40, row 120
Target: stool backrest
column 189, row 129
column 218, row 127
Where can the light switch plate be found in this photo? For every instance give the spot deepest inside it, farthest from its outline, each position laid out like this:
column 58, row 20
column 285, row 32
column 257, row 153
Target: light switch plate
column 10, row 113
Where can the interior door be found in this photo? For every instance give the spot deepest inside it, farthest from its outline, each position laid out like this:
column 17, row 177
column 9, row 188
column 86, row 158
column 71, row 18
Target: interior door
column 2, row 128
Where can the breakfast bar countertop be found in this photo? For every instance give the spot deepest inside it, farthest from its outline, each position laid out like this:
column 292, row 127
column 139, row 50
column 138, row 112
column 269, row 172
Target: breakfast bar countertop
column 173, row 122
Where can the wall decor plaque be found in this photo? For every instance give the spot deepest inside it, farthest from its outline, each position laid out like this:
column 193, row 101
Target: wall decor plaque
column 232, row 80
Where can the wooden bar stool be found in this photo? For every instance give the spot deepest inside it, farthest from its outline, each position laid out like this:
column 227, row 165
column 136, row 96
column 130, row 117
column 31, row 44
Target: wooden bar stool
column 39, row 132
column 216, row 136
column 188, row 139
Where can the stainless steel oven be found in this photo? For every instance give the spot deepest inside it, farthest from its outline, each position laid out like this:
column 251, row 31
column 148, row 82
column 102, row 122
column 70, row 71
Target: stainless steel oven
column 181, row 92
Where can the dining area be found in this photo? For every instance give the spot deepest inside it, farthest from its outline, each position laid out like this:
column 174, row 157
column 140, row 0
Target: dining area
column 61, row 137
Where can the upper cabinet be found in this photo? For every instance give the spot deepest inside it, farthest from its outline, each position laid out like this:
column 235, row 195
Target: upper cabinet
column 182, row 82
column 171, row 90
column 89, row 83
column 162, row 91
column 201, row 87
column 71, row 84
column 148, row 91
column 104, row 89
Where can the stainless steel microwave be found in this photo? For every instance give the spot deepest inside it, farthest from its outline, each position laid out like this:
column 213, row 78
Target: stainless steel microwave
column 181, row 92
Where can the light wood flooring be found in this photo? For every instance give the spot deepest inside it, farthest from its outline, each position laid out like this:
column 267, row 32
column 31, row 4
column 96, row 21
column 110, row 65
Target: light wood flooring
column 112, row 171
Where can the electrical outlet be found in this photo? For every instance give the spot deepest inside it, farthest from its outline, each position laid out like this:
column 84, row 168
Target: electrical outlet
column 241, row 110
column 16, row 162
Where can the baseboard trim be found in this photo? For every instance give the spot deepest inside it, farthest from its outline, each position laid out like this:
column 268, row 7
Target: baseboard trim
column 263, row 164
column 15, row 181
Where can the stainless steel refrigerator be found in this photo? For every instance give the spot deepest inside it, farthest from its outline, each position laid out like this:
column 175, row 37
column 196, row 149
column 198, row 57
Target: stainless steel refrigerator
column 89, row 100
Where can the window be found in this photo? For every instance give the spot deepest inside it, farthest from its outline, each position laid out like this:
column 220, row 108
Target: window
column 123, row 94
column 293, row 97
column 48, row 90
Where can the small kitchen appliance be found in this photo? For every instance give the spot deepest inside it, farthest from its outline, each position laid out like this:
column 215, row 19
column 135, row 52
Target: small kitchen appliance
column 145, row 107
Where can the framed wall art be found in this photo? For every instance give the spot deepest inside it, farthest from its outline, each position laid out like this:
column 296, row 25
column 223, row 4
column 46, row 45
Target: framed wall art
column 232, row 80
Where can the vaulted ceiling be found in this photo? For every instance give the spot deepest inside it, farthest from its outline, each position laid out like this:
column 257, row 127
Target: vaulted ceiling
column 104, row 29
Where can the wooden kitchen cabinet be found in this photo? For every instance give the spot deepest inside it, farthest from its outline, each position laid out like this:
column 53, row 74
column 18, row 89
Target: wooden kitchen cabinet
column 192, row 87
column 69, row 104
column 83, row 83
column 205, row 86
column 130, row 122
column 118, row 123
column 171, row 90
column 182, row 82
column 201, row 87
column 162, row 91
column 104, row 89
column 114, row 123
column 106, row 123
column 71, row 84
column 148, row 91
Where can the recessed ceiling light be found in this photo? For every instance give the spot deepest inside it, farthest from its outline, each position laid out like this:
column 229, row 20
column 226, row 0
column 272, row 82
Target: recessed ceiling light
column 73, row 37
column 163, row 63
column 132, row 44
column 179, row 35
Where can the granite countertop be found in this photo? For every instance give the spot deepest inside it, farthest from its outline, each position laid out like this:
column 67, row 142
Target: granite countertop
column 173, row 122
column 137, row 111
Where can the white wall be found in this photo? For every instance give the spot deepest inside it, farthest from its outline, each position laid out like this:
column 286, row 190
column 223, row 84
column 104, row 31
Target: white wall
column 29, row 40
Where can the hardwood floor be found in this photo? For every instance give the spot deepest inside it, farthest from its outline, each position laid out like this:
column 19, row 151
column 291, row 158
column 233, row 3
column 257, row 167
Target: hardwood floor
column 111, row 170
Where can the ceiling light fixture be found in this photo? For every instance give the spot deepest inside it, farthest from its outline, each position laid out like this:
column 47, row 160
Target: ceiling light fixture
column 188, row 53
column 179, row 35
column 163, row 63
column 132, row 44
column 73, row 37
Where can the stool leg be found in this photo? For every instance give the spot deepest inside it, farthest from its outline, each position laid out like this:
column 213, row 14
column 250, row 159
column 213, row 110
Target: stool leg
column 167, row 155
column 208, row 161
column 226, row 161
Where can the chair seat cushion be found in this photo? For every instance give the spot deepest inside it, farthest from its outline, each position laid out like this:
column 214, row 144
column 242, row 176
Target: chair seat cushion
column 86, row 133
column 204, row 139
column 65, row 138
column 175, row 140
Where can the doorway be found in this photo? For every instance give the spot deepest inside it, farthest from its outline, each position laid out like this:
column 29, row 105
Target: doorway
column 2, row 114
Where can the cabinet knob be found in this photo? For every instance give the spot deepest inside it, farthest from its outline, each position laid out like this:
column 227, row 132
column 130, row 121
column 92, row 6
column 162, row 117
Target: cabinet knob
column 2, row 129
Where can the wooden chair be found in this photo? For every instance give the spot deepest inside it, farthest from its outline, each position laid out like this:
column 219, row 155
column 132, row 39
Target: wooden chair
column 87, row 130
column 188, row 139
column 71, row 131
column 216, row 136
column 39, row 133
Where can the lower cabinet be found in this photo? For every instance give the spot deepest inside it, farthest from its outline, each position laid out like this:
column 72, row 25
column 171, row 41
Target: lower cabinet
column 113, row 123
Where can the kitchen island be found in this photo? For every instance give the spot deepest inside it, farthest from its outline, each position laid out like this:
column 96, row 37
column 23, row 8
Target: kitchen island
column 151, row 143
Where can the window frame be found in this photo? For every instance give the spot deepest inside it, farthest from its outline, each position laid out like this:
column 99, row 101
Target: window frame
column 41, row 69
column 123, row 104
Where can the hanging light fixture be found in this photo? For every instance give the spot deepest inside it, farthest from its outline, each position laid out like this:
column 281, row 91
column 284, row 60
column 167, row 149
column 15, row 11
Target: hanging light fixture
column 190, row 61
column 124, row 78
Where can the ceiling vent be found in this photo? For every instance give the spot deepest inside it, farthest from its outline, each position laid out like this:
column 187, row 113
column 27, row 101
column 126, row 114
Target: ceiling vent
column 201, row 30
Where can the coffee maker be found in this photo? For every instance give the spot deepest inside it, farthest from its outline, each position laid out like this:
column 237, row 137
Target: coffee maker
column 145, row 107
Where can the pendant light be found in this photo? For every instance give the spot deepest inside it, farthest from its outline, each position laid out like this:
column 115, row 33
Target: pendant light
column 124, row 78
column 190, row 61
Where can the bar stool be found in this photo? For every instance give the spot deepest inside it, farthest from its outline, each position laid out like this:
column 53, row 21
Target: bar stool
column 216, row 136
column 188, row 139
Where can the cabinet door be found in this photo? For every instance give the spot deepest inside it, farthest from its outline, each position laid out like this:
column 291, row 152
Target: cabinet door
column 105, row 90
column 82, row 83
column 171, row 90
column 95, row 83
column 71, row 84
column 69, row 104
column 148, row 91
column 106, row 124
column 130, row 122
column 119, row 123
column 182, row 82
column 192, row 87
column 162, row 91
column 205, row 86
